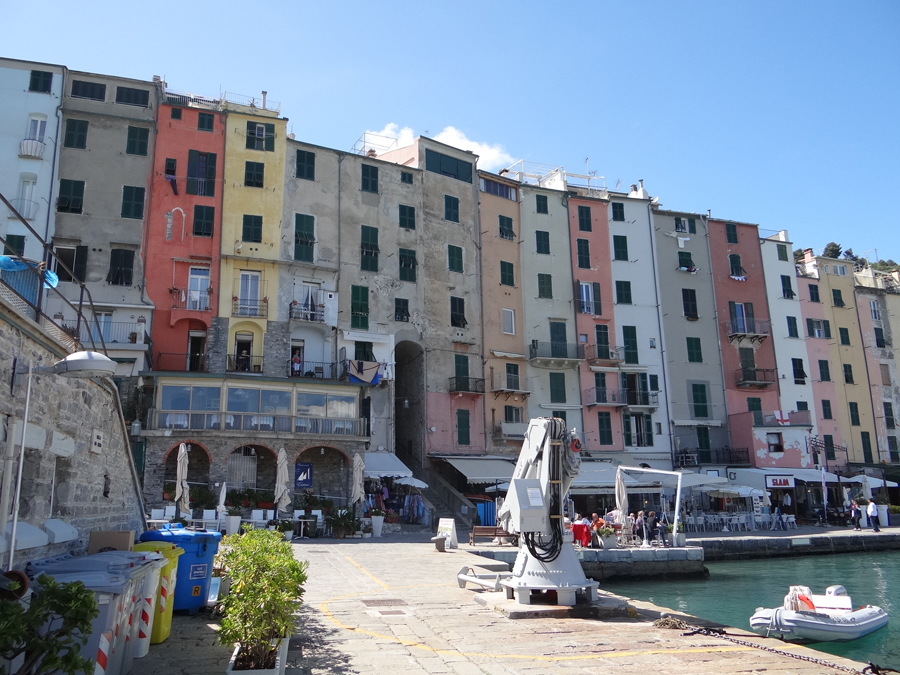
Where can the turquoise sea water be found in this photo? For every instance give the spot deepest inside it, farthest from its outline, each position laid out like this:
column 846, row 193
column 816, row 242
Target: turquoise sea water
column 734, row 590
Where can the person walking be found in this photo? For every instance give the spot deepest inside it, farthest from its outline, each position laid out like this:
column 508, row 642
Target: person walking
column 872, row 513
column 855, row 515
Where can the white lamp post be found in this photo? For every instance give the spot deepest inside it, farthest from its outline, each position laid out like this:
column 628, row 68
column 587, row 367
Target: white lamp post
column 79, row 364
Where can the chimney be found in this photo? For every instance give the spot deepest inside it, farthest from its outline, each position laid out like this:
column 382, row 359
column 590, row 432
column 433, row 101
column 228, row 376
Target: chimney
column 709, row 213
column 633, row 188
column 641, row 181
column 264, row 100
column 371, row 153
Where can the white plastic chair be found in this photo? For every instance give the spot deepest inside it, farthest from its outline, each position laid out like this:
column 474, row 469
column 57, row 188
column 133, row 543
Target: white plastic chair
column 270, row 514
column 210, row 519
column 257, row 518
column 169, row 512
column 320, row 520
column 791, row 521
column 157, row 514
column 298, row 513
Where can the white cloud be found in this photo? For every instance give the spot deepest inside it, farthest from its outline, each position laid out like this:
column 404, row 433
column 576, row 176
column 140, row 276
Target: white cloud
column 491, row 157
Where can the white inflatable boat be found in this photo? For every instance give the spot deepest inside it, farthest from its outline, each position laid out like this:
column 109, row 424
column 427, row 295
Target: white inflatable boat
column 818, row 618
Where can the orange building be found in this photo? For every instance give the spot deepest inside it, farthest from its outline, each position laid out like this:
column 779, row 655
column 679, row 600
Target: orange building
column 184, row 229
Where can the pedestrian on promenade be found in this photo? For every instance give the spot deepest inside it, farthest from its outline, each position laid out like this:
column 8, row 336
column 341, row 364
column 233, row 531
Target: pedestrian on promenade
column 855, row 515
column 872, row 513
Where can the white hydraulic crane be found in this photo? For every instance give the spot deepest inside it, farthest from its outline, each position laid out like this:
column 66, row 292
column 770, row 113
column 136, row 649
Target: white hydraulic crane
column 548, row 463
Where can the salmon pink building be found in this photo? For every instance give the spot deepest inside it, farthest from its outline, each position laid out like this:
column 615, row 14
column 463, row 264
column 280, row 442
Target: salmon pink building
column 184, row 229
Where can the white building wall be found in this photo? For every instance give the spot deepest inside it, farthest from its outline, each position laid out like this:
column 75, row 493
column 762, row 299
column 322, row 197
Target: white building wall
column 780, row 308
column 27, row 180
column 642, row 313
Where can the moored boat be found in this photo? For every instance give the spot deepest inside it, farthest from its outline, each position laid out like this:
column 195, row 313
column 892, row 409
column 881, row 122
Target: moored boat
column 818, row 618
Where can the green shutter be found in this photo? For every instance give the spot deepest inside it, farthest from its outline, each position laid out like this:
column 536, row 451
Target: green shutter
column 598, row 308
column 557, row 387
column 620, row 247
column 584, row 218
column 626, row 428
column 454, row 258
column 462, row 427
column 629, row 340
column 359, row 307
column 698, row 396
column 654, row 383
column 692, row 226
column 270, row 137
column 604, row 426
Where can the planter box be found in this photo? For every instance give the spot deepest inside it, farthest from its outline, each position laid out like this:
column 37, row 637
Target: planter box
column 280, row 662
column 232, row 524
column 609, row 543
column 377, row 525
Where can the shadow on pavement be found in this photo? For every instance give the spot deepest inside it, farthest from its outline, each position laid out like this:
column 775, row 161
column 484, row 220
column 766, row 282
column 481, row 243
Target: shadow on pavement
column 311, row 651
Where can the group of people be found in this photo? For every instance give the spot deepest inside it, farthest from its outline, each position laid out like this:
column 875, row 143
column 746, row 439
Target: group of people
column 871, row 514
column 649, row 526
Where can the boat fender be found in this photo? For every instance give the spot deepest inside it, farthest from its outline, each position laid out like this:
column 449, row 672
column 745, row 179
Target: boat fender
column 806, row 601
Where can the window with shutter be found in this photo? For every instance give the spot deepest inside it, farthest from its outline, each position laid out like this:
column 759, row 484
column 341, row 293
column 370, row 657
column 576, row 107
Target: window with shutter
column 408, row 264
column 76, row 134
column 848, row 373
column 782, row 251
column 507, row 274
column 454, row 258
column 792, row 327
column 306, row 165
column 206, row 121
column 814, row 293
column 584, row 253
column 137, row 141
column 401, row 309
column 545, row 286
column 254, row 173
column 618, row 211
column 130, row 96
column 462, row 427
column 824, row 371
column 620, row 247
column 854, row 413
column 837, row 297
column 451, row 208
column 369, row 178
column 685, row 261
column 689, row 303
column 731, row 233
column 826, row 409
column 407, row 217
column 359, row 307
column 304, row 237
column 369, row 250
column 121, row 267
column 542, row 242
column 71, row 196
column 252, row 229
column 204, row 220
column 506, row 228
column 584, row 218
column 630, row 343
column 698, row 399
column 540, row 202
column 623, row 292
column 787, row 290
column 604, row 426
column 458, row 312
column 201, row 174
column 734, row 262
column 799, row 372
column 695, row 353
column 41, row 81
column 133, row 202
column 557, row 387
column 845, row 335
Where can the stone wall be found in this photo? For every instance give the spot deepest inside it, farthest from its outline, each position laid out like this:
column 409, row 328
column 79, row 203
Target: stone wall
column 77, row 454
column 276, row 348
column 217, row 345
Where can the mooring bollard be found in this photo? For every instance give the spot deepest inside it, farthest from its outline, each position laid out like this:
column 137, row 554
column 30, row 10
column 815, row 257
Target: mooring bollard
column 439, row 543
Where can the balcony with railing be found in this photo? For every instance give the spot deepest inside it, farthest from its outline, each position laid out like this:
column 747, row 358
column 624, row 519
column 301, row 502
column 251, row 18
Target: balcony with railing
column 508, row 384
column 307, row 312
column 193, row 301
column 590, row 307
column 243, row 363
column 173, row 97
column 181, row 363
column 255, row 422
column 27, row 208
column 250, row 307
column 755, row 378
column 755, row 330
column 555, row 353
column 467, row 385
column 604, row 354
column 686, row 457
column 317, row 370
column 776, row 418
column 31, row 148
column 113, row 332
column 604, row 397
column 641, row 399
column 726, row 456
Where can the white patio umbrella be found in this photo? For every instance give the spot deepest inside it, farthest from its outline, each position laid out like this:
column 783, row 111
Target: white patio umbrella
column 735, row 491
column 282, row 489
column 221, row 508
column 182, row 491
column 621, row 496
column 357, row 488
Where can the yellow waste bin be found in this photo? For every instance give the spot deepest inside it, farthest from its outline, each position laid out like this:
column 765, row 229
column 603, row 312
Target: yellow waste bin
column 165, row 595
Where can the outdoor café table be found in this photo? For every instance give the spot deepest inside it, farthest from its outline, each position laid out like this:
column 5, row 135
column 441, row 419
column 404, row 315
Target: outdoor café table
column 764, row 519
column 155, row 524
column 301, row 523
column 200, row 523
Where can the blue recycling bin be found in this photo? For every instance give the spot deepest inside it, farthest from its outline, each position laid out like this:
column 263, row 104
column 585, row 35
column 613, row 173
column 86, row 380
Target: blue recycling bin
column 194, row 567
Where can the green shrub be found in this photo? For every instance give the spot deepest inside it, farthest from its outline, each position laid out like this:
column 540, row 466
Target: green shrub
column 266, row 590
column 68, row 609
column 604, row 532
column 893, row 508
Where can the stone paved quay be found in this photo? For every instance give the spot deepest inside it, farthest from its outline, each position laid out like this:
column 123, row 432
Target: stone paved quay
column 393, row 605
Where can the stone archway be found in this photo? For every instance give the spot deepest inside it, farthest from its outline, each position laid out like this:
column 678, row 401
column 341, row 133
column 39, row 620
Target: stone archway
column 199, row 461
column 330, row 469
column 252, row 467
column 409, row 403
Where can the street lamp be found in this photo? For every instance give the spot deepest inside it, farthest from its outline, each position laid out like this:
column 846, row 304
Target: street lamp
column 79, row 364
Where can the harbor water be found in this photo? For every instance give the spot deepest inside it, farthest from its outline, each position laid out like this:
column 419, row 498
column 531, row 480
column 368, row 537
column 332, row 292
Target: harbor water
column 733, row 591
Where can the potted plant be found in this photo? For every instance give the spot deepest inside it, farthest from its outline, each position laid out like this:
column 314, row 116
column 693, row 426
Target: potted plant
column 607, row 537
column 392, row 516
column 266, row 591
column 265, row 499
column 883, row 503
column 286, row 527
column 367, row 530
column 341, row 521
column 679, row 538
column 169, row 491
column 377, row 521
column 45, row 635
column 233, row 520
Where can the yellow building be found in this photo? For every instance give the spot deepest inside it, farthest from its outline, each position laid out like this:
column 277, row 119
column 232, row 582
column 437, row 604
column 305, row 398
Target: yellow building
column 853, row 407
column 252, row 204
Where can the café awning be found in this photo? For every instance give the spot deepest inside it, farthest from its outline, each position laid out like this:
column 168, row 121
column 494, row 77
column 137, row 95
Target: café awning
column 480, row 470
column 385, row 465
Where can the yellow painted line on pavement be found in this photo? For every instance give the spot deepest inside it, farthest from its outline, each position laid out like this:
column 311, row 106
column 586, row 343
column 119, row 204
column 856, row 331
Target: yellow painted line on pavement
column 324, row 608
column 368, row 573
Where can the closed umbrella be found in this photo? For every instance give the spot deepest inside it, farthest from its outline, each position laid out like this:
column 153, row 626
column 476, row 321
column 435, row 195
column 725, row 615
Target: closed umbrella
column 221, row 508
column 357, row 488
column 282, row 491
column 182, row 491
column 621, row 496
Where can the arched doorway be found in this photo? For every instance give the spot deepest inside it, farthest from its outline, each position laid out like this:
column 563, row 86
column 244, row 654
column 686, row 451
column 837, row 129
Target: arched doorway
column 325, row 471
column 252, row 467
column 198, row 466
column 409, row 403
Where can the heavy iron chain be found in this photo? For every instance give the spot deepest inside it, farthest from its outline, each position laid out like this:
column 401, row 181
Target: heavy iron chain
column 670, row 622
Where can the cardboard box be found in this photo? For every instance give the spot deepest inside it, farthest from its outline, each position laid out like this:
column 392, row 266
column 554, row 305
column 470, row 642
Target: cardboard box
column 110, row 541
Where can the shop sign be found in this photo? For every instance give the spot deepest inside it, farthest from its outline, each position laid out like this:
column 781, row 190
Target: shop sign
column 783, row 482
column 303, row 475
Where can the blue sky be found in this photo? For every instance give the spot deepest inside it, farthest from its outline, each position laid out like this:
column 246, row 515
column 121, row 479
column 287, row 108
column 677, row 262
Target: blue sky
column 778, row 113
